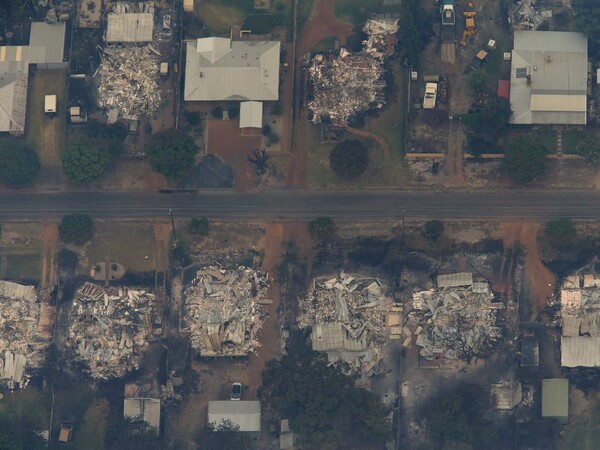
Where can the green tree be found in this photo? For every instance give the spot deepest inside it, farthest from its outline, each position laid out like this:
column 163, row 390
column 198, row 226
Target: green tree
column 233, row 112
column 433, row 230
column 589, row 149
column 322, row 403
column 18, row 435
column 19, row 163
column 495, row 114
column 349, row 159
column 217, row 112
column 413, row 32
column 172, row 153
column 192, row 117
column 76, row 229
column 588, row 21
column 321, row 228
column 560, row 233
column 199, row 226
column 225, row 435
column 84, row 161
column 524, row 160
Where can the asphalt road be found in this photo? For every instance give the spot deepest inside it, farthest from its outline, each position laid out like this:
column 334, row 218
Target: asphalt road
column 304, row 204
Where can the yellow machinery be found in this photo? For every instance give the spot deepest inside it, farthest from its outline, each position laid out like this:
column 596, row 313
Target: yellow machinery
column 470, row 29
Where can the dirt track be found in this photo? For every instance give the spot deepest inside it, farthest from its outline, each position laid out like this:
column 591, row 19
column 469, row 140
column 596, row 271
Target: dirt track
column 382, row 142
column 322, row 24
column 541, row 282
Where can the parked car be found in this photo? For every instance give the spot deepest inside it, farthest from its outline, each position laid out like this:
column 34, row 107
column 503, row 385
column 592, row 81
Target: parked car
column 236, row 391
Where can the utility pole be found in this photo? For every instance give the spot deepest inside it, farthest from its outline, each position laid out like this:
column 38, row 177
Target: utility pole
column 173, row 228
column 403, row 232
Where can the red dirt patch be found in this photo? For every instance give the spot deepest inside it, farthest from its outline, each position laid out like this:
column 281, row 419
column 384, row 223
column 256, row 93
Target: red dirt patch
column 541, row 281
column 224, row 139
column 322, row 24
column 153, row 181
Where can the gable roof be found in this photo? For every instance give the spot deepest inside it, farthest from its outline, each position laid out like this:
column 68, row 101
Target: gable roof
column 549, row 78
column 251, row 114
column 221, row 69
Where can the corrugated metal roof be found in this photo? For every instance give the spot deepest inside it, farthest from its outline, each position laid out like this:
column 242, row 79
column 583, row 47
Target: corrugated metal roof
column 455, row 279
column 248, row 71
column 130, row 27
column 555, row 398
column 557, row 65
column 147, row 409
column 251, row 114
column 50, row 36
column 504, row 89
column 243, row 413
column 580, row 351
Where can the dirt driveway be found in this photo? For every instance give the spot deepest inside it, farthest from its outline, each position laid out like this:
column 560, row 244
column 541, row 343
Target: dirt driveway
column 224, row 139
column 322, row 24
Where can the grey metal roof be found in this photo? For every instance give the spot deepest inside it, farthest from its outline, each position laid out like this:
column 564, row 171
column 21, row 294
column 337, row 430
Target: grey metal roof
column 251, row 114
column 129, row 27
column 147, row 409
column 555, row 398
column 221, row 69
column 557, row 65
column 580, row 351
column 243, row 413
column 46, row 46
column 455, row 279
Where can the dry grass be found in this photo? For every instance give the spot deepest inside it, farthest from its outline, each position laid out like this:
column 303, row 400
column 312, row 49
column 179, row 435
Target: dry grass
column 219, row 18
column 128, row 243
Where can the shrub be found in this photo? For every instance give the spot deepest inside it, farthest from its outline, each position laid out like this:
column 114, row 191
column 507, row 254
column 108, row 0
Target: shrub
column 76, row 229
column 85, row 161
column 433, row 230
column 19, row 164
column 349, row 159
column 217, row 112
column 199, row 226
column 193, row 118
column 172, row 153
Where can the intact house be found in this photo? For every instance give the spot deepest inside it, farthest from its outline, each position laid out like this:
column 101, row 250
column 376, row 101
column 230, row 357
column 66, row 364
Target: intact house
column 224, row 70
column 45, row 51
column 548, row 80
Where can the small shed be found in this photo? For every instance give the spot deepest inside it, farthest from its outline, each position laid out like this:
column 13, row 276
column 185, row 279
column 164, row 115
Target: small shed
column 251, row 114
column 555, row 399
column 147, row 409
column 504, row 89
column 243, row 413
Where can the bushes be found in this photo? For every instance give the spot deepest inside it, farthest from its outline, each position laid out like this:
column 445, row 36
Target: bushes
column 76, row 229
column 84, row 161
column 349, row 159
column 19, row 163
column 199, row 226
column 525, row 159
column 172, row 153
column 321, row 228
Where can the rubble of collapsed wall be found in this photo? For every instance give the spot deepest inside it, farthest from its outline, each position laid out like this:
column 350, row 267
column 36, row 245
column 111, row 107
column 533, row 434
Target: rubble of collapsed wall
column 349, row 311
column 223, row 310
column 381, row 31
column 109, row 328
column 21, row 347
column 456, row 322
column 580, row 303
column 344, row 85
column 127, row 82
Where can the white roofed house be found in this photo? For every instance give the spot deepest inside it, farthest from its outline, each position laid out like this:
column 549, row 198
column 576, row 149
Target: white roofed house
column 548, row 82
column 46, row 50
column 219, row 69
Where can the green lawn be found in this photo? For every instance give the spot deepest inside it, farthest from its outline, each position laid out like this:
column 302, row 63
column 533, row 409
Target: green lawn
column 572, row 138
column 356, row 12
column 582, row 432
column 259, row 23
column 391, row 122
column 220, row 15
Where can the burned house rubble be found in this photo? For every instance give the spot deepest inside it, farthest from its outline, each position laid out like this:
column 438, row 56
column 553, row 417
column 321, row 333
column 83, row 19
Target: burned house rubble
column 344, row 85
column 21, row 346
column 127, row 82
column 381, row 30
column 223, row 310
column 109, row 329
column 580, row 318
column 456, row 320
column 347, row 315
